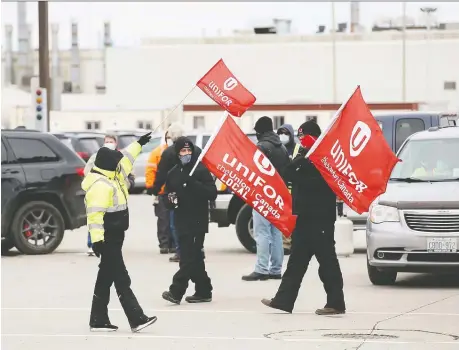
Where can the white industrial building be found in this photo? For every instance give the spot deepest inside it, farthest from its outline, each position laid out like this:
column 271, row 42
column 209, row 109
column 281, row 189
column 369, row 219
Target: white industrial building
column 293, row 77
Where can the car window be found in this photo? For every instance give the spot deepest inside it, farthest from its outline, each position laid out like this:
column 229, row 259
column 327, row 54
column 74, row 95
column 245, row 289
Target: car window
column 32, row 151
column 150, row 146
column 406, row 127
column 429, row 160
column 4, row 155
column 253, row 138
column 68, row 142
column 126, row 140
column 89, row 145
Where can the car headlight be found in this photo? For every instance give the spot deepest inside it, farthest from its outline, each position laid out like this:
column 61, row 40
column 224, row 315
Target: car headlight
column 382, row 213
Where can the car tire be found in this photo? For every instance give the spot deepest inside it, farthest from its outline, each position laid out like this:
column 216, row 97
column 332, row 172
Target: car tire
column 381, row 277
column 7, row 245
column 26, row 214
column 243, row 221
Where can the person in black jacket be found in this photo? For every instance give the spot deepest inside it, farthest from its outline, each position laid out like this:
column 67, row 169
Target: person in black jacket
column 315, row 204
column 190, row 196
column 270, row 250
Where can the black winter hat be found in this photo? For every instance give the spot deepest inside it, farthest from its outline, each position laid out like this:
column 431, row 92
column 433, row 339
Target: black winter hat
column 309, row 128
column 183, row 142
column 107, row 159
column 264, row 124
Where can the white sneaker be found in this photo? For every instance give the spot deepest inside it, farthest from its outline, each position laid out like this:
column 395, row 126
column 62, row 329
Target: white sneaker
column 90, row 252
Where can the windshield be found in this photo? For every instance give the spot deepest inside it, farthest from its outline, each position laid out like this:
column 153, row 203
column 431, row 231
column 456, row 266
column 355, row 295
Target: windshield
column 150, row 146
column 428, row 160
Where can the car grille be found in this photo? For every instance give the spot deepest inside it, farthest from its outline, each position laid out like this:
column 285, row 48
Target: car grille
column 433, row 222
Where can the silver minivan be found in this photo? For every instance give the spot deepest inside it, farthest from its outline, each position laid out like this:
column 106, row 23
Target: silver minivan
column 414, row 225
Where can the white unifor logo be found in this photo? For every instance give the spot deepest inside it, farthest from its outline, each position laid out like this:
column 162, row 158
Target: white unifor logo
column 360, row 136
column 230, row 84
column 263, row 164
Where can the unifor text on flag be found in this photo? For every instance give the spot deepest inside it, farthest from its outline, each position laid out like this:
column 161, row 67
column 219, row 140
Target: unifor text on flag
column 353, row 156
column 223, row 87
column 239, row 164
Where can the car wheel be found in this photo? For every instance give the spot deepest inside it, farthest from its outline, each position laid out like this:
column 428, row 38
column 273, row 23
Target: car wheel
column 37, row 228
column 244, row 228
column 137, row 190
column 7, row 245
column 381, row 277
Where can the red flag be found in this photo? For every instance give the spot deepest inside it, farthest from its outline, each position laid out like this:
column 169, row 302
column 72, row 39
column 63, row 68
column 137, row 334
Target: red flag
column 223, row 87
column 239, row 164
column 353, row 156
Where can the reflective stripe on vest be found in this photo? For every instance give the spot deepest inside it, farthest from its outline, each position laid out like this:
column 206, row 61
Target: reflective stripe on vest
column 129, row 156
column 116, row 206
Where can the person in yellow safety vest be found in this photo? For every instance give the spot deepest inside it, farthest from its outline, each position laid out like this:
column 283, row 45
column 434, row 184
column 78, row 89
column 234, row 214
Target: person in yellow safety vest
column 287, row 137
column 107, row 212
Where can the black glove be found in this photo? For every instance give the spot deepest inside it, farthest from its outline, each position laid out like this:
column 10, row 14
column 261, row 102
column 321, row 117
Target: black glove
column 98, row 247
column 144, row 139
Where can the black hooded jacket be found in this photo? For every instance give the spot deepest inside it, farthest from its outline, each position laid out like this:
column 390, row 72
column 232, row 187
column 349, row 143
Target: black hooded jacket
column 193, row 195
column 313, row 199
column 270, row 144
column 167, row 162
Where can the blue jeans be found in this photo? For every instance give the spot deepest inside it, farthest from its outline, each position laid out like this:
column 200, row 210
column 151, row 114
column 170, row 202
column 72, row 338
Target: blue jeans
column 173, row 232
column 270, row 251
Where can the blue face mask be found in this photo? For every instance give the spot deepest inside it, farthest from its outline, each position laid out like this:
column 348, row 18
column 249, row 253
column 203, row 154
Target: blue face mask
column 185, row 159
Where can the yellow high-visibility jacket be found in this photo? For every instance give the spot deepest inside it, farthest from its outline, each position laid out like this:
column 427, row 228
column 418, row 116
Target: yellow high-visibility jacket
column 107, row 195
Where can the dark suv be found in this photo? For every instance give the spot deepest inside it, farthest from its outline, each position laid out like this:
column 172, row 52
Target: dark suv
column 85, row 144
column 41, row 191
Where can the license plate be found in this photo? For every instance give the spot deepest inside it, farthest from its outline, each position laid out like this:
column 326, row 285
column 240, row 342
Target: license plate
column 442, row 245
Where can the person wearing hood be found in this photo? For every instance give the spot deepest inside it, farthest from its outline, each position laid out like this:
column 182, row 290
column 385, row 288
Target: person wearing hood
column 314, row 203
column 190, row 196
column 167, row 162
column 270, row 251
column 287, row 137
column 163, row 225
column 110, row 142
column 107, row 212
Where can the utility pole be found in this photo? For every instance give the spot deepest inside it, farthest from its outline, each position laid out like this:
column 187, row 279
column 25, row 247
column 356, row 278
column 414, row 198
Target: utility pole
column 404, row 53
column 333, row 29
column 43, row 54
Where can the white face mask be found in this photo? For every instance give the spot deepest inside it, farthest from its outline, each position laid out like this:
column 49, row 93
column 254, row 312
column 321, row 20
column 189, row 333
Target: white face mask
column 111, row 146
column 284, row 138
column 169, row 142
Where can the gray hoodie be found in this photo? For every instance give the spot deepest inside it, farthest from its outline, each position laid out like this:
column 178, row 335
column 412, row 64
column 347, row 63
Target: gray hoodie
column 291, row 145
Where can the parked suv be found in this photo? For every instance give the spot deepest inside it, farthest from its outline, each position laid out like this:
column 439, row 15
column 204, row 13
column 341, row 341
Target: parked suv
column 414, row 225
column 85, row 144
column 41, row 191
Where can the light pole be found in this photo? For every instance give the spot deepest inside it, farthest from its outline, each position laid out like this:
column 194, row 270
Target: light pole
column 43, row 53
column 428, row 11
column 334, row 51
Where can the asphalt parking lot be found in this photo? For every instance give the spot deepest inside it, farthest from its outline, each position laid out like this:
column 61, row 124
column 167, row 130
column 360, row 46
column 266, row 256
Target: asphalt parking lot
column 46, row 301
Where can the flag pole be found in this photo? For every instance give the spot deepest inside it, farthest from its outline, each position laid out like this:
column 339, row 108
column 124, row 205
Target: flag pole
column 332, row 122
column 211, row 140
column 179, row 104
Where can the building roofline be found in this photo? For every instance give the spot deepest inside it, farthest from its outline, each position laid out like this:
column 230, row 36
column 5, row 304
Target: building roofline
column 414, row 106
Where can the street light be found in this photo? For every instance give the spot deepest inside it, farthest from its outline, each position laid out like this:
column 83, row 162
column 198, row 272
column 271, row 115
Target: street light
column 428, row 11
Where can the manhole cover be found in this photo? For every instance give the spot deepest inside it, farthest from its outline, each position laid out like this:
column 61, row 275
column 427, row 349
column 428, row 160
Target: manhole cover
column 359, row 336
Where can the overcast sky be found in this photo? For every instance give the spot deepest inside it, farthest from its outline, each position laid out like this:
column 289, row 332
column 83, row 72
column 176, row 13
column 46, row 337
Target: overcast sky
column 132, row 21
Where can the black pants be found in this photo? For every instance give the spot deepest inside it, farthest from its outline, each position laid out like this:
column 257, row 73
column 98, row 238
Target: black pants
column 112, row 270
column 163, row 224
column 192, row 267
column 311, row 239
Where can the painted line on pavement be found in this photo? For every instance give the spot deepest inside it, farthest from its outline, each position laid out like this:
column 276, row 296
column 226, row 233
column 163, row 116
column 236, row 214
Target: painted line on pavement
column 223, row 338
column 178, row 309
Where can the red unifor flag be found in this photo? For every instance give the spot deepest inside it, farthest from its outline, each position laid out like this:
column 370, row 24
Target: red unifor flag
column 353, row 156
column 223, row 87
column 232, row 157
